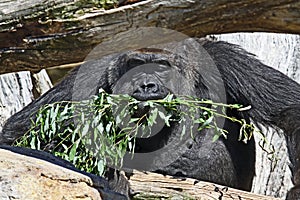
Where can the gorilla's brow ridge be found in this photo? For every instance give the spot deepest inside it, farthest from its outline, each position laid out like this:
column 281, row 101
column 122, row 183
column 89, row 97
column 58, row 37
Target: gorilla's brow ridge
column 152, row 50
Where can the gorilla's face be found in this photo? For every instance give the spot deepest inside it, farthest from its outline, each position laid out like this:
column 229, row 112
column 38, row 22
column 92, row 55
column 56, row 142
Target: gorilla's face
column 145, row 80
column 149, row 74
column 182, row 68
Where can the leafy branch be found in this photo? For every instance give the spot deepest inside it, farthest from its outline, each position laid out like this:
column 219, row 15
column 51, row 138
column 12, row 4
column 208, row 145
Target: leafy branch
column 100, row 130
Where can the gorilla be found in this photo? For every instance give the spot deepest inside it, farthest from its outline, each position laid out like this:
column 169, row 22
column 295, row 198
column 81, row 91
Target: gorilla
column 155, row 72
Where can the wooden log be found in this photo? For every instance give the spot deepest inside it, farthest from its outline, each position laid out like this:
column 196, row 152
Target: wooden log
column 148, row 185
column 35, row 35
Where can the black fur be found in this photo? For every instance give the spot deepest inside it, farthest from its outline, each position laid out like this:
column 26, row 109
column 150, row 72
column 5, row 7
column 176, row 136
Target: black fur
column 247, row 81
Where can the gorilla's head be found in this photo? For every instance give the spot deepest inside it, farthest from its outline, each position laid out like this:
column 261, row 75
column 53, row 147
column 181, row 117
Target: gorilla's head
column 151, row 74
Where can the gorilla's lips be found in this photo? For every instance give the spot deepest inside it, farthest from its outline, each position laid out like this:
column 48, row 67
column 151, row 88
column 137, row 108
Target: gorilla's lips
column 143, row 110
column 149, row 96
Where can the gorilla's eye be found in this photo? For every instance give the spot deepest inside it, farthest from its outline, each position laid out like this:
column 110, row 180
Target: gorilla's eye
column 133, row 62
column 163, row 62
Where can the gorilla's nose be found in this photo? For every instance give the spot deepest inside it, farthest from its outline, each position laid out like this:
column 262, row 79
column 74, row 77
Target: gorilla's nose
column 149, row 90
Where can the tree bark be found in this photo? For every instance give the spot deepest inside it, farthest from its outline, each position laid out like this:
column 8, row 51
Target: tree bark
column 156, row 186
column 35, row 35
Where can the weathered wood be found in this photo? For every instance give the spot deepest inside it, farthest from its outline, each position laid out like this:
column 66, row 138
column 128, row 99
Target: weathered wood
column 15, row 93
column 18, row 89
column 34, row 35
column 156, row 186
column 41, row 83
column 24, row 177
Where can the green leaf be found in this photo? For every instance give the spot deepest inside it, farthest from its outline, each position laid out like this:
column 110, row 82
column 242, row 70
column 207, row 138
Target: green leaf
column 85, row 129
column 153, row 116
column 73, row 150
column 32, row 143
column 101, row 166
column 169, row 98
column 216, row 137
column 183, row 131
column 206, row 123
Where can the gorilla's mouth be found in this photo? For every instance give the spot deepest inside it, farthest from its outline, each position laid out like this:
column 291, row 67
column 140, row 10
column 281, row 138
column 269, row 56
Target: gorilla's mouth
column 147, row 91
column 142, row 110
column 152, row 136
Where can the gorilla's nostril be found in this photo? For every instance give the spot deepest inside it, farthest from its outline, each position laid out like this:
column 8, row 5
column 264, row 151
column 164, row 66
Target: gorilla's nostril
column 150, row 87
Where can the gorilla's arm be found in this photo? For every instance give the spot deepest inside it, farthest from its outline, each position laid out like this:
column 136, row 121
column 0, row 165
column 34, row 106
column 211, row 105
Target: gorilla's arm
column 19, row 123
column 274, row 98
